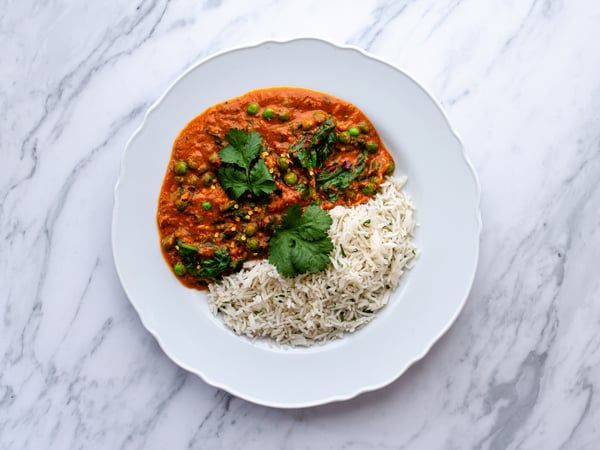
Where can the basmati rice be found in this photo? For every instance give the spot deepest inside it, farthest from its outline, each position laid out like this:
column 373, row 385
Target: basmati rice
column 372, row 248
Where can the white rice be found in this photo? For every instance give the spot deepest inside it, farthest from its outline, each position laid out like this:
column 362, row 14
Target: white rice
column 367, row 262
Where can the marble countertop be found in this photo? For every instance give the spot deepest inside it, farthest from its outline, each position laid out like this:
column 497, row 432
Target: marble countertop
column 520, row 368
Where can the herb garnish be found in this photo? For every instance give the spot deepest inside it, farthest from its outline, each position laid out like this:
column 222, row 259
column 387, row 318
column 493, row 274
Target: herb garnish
column 300, row 243
column 310, row 152
column 246, row 172
column 210, row 268
column 340, row 178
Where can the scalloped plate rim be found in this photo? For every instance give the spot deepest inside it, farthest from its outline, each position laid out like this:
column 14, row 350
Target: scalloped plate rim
column 361, row 389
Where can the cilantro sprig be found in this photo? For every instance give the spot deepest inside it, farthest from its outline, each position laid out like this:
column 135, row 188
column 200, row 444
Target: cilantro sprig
column 300, row 243
column 244, row 171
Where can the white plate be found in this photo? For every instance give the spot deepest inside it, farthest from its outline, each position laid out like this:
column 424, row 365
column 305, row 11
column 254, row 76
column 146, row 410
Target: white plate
column 441, row 182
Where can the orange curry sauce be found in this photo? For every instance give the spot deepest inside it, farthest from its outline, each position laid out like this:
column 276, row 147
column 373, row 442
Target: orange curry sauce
column 204, row 233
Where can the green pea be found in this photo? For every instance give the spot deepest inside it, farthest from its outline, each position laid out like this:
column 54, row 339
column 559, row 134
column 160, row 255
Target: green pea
column 372, row 147
column 350, row 195
column 252, row 244
column 354, row 131
column 252, row 108
column 283, row 163
column 168, row 242
column 363, row 127
column 375, row 165
column 369, row 188
column 213, row 158
column 251, row 229
column 206, row 205
column 192, row 164
column 390, row 169
column 179, row 269
column 192, row 180
column 283, row 116
column 267, row 114
column 178, row 179
column 290, row 178
column 344, row 137
column 181, row 204
column 207, row 179
column 180, row 167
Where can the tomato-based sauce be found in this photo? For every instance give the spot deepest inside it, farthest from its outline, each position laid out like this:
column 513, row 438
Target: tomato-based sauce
column 317, row 149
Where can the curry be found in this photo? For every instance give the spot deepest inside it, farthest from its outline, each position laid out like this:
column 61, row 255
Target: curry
column 236, row 169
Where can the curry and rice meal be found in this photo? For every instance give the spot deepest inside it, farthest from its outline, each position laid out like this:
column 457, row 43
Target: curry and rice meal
column 283, row 204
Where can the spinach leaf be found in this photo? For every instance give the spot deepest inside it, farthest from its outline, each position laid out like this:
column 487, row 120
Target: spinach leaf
column 310, row 152
column 204, row 268
column 340, row 179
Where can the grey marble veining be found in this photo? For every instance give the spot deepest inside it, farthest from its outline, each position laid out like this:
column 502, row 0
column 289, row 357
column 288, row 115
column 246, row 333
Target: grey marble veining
column 520, row 369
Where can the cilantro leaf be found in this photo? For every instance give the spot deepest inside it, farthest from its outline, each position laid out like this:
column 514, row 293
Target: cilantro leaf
column 231, row 155
column 312, row 256
column 300, row 243
column 233, row 181
column 314, row 224
column 243, row 171
column 243, row 147
column 292, row 217
column 260, row 180
column 279, row 249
